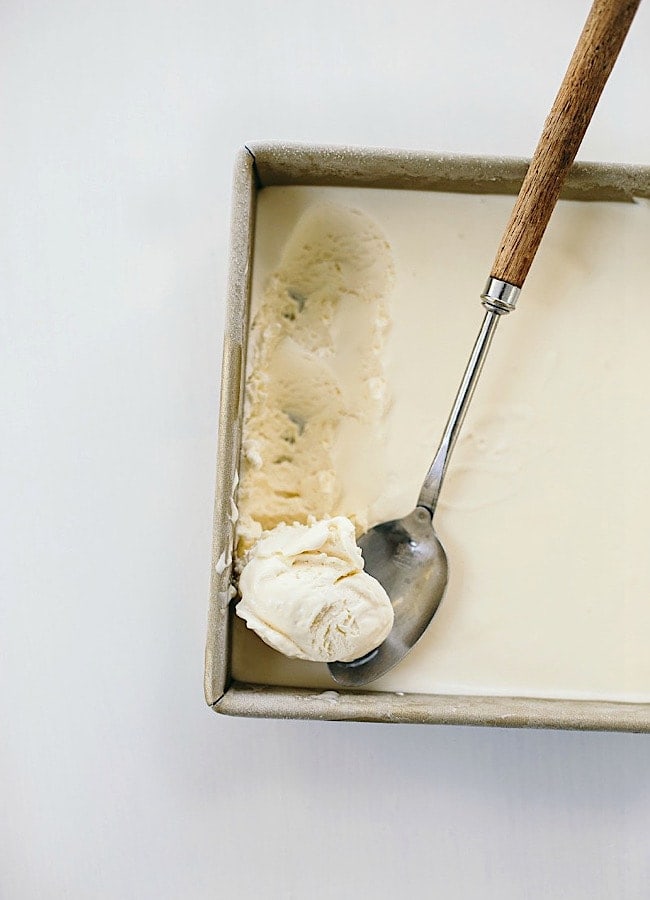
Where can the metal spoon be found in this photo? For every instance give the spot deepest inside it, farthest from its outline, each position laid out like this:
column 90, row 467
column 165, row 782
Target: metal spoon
column 405, row 555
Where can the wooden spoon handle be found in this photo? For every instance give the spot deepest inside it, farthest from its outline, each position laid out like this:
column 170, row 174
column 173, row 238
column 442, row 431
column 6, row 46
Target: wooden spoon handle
column 592, row 61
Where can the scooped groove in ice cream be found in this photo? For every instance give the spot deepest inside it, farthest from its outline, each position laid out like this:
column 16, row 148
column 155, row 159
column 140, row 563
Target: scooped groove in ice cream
column 304, row 592
column 316, row 395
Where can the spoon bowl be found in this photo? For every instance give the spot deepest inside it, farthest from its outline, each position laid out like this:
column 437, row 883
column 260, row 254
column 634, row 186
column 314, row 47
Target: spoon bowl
column 410, row 563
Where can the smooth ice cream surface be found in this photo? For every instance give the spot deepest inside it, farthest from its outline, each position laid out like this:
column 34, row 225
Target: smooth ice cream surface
column 304, row 592
column 544, row 511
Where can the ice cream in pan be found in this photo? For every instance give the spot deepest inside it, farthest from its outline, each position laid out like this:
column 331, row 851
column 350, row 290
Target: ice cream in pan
column 550, row 470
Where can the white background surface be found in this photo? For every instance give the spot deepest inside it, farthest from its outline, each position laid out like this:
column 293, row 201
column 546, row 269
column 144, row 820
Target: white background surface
column 120, row 121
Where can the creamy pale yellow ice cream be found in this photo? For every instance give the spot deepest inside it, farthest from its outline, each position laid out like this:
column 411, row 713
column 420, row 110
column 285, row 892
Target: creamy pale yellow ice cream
column 544, row 511
column 305, row 593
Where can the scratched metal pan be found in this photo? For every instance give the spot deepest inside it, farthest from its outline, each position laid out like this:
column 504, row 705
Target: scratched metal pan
column 262, row 165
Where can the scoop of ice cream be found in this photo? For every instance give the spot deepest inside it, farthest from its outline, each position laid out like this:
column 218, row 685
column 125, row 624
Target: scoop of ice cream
column 304, row 592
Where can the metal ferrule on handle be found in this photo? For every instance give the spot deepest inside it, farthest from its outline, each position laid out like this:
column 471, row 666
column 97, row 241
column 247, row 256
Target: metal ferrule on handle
column 499, row 296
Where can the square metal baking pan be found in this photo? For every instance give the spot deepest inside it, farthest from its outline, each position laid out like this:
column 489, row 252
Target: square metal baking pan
column 262, row 165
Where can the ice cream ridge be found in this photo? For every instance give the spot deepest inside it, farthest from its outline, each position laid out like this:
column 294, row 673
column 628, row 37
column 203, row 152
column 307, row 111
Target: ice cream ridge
column 315, row 403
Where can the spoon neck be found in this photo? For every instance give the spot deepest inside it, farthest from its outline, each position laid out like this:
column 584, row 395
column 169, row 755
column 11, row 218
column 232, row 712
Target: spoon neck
column 435, row 476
